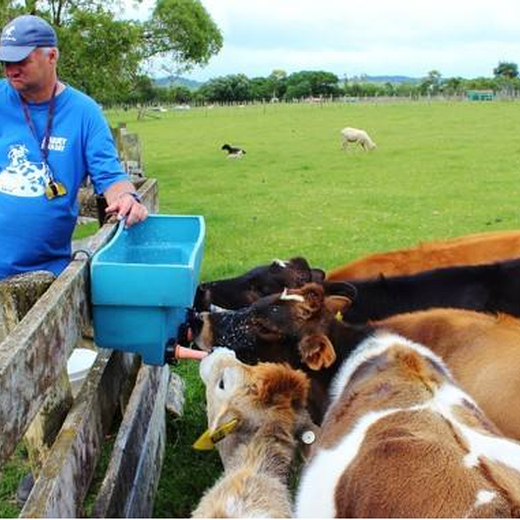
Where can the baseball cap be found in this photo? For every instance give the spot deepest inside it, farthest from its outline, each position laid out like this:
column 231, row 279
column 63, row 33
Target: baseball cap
column 24, row 34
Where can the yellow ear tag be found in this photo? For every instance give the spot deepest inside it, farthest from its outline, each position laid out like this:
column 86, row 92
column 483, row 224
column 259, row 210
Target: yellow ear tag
column 208, row 439
column 339, row 316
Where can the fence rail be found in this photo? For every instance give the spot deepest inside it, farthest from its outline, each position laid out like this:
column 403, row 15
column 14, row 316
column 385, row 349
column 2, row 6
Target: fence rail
column 154, row 109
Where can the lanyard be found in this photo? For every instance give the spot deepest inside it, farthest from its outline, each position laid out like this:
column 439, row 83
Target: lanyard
column 48, row 126
column 53, row 189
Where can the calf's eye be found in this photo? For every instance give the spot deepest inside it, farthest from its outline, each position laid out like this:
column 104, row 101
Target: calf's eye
column 221, row 384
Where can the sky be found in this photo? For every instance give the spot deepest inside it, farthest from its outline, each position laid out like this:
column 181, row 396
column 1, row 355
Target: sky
column 350, row 38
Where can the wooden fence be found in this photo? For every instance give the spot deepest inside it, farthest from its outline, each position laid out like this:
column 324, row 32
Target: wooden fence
column 33, row 359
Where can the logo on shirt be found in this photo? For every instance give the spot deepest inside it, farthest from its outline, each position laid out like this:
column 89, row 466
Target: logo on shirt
column 57, row 143
column 21, row 177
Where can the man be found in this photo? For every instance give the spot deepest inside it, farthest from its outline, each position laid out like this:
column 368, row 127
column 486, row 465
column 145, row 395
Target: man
column 51, row 137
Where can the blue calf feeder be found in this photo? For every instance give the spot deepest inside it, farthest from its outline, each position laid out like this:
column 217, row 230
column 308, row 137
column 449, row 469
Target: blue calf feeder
column 143, row 281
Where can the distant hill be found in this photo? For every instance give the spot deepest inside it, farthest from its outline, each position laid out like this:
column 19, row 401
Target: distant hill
column 172, row 81
column 385, row 79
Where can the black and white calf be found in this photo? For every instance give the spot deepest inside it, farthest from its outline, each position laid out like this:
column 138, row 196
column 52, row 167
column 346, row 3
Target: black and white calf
column 233, row 151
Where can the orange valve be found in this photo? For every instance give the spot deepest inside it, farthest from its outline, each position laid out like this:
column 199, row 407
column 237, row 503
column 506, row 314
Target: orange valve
column 188, row 353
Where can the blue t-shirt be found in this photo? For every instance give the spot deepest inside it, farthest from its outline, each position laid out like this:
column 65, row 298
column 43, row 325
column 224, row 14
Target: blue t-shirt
column 35, row 232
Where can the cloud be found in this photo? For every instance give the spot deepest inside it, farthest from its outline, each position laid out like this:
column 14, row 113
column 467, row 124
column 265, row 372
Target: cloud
column 373, row 37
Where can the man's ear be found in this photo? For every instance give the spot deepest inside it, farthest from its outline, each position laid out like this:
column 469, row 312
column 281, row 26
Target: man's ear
column 277, row 383
column 317, row 351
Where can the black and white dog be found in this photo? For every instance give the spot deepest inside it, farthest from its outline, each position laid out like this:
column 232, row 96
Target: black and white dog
column 233, row 151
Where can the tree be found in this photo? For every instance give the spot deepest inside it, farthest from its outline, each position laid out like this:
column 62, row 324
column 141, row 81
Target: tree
column 431, row 84
column 505, row 69
column 311, row 83
column 182, row 33
column 103, row 56
column 278, row 82
column 262, row 89
column 235, row 87
column 143, row 91
column 452, row 86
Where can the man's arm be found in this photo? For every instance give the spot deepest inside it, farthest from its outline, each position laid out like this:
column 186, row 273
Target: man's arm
column 122, row 202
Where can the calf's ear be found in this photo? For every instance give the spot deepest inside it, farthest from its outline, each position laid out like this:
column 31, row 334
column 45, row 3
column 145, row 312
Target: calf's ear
column 337, row 304
column 317, row 351
column 277, row 383
column 345, row 289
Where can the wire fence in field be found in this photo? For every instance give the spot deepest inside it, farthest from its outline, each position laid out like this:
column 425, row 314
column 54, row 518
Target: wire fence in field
column 154, row 109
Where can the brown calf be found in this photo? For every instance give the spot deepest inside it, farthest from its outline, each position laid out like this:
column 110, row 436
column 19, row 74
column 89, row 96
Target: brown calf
column 259, row 411
column 402, row 440
column 480, row 248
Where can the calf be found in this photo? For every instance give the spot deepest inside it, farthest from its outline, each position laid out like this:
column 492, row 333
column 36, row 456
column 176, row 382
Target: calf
column 401, row 439
column 303, row 328
column 480, row 248
column 233, row 293
column 233, row 151
column 255, row 414
column 490, row 287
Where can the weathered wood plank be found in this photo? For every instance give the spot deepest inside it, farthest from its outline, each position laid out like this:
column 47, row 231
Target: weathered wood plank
column 175, row 395
column 146, row 480
column 36, row 352
column 65, row 478
column 149, row 192
column 17, row 295
column 42, row 432
column 134, row 470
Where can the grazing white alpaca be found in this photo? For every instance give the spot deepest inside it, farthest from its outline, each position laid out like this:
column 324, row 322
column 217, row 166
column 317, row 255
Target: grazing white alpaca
column 355, row 135
column 255, row 416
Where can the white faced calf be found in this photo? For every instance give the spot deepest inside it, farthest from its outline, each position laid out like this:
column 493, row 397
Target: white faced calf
column 400, row 439
column 259, row 410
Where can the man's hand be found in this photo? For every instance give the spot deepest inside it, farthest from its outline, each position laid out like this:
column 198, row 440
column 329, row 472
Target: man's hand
column 122, row 202
column 127, row 206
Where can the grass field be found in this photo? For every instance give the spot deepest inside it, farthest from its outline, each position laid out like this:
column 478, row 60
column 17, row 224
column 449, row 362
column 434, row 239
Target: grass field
column 440, row 170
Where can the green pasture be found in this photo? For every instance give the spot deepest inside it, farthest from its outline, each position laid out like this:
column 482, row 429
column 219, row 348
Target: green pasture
column 441, row 170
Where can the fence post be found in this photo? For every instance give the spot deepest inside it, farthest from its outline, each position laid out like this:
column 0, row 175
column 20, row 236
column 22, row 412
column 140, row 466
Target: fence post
column 17, row 296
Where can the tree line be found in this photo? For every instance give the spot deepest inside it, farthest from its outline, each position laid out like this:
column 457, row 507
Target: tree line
column 280, row 86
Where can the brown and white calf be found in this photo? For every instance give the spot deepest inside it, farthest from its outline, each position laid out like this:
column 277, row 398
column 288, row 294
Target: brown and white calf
column 260, row 412
column 401, row 439
column 303, row 328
